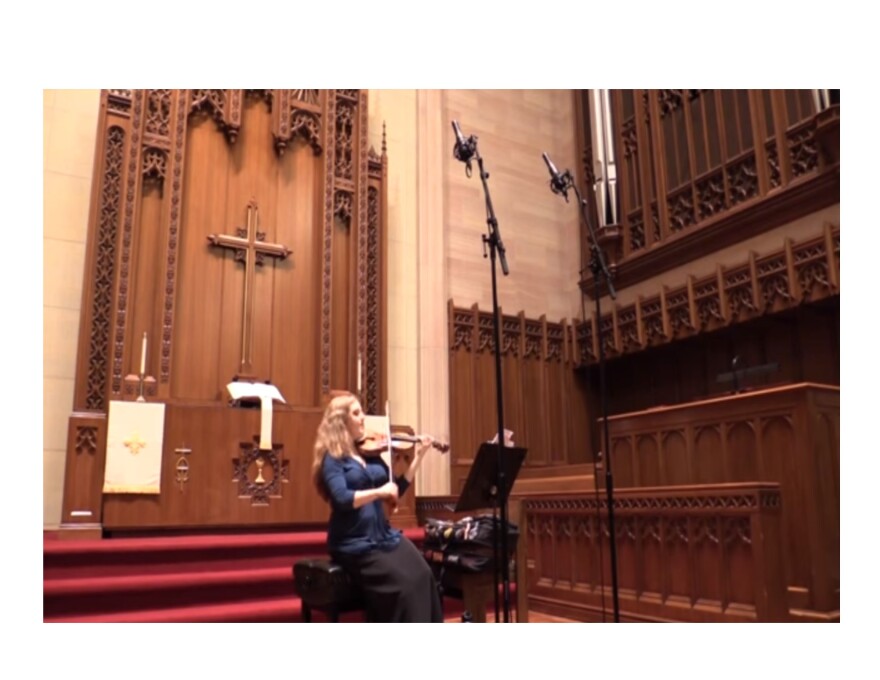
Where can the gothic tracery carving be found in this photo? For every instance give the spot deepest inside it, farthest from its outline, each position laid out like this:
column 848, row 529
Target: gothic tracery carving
column 486, row 333
column 585, row 342
column 509, row 337
column 127, row 228
column 342, row 206
column 307, row 125
column 105, row 260
column 86, row 440
column 681, row 211
column 773, row 279
column 652, row 318
column 462, row 329
column 344, row 140
column 629, row 330
column 708, row 304
column 171, row 249
column 743, row 180
column 636, row 232
column 154, row 164
column 157, row 117
column 804, row 151
column 534, row 340
column 373, row 303
column 710, row 193
column 326, row 269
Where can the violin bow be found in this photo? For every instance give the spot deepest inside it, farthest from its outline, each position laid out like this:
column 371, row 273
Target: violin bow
column 390, row 445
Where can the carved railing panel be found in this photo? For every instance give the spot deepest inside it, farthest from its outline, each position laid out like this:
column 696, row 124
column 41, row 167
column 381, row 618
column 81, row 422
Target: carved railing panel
column 798, row 272
column 708, row 553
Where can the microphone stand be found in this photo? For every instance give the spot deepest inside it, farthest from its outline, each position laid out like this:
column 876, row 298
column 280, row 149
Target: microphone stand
column 598, row 267
column 496, row 247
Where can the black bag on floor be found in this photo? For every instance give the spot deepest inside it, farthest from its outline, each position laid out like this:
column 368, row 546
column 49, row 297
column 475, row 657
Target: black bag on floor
column 467, row 544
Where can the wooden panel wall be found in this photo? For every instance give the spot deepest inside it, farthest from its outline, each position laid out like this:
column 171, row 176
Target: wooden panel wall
column 803, row 343
column 287, row 294
column 544, row 401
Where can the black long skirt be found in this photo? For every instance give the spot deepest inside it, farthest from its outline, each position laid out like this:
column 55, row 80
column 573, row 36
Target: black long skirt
column 399, row 586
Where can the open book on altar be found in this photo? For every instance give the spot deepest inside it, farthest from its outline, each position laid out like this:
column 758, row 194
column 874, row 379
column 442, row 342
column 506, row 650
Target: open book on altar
column 266, row 394
column 245, row 390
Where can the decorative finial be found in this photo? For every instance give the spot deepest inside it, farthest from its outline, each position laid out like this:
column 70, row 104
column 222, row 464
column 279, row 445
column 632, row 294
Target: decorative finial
column 384, row 144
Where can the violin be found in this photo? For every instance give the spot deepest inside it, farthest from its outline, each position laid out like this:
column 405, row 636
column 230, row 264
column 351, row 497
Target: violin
column 376, row 443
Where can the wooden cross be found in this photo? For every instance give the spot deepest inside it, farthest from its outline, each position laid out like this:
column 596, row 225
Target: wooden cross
column 250, row 249
column 135, row 443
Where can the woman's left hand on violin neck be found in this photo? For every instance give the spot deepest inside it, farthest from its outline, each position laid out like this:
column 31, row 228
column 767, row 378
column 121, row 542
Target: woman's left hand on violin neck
column 425, row 442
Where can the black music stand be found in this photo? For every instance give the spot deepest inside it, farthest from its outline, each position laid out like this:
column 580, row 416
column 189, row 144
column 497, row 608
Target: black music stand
column 481, row 487
column 481, row 491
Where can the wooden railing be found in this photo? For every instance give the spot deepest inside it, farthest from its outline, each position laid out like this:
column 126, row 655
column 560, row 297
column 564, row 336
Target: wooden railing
column 795, row 273
column 698, row 554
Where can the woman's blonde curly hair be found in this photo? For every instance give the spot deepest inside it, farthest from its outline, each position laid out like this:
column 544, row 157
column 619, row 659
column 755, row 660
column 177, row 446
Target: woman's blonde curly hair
column 333, row 438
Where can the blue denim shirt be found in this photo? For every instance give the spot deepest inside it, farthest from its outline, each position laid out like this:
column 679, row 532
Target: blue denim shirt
column 355, row 531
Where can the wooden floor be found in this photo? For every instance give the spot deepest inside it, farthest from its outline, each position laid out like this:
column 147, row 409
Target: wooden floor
column 534, row 617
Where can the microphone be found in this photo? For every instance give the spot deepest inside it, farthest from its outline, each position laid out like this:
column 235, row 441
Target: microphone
column 464, row 148
column 558, row 182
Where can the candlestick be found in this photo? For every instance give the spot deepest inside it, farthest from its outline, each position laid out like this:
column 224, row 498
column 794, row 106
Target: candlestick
column 144, row 354
column 359, row 375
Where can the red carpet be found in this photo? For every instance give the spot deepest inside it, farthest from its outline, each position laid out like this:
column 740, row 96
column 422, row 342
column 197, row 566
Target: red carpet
column 221, row 578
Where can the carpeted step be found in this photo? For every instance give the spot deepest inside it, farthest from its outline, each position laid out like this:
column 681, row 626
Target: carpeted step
column 240, row 578
column 269, row 610
column 174, row 554
column 126, row 556
column 63, row 597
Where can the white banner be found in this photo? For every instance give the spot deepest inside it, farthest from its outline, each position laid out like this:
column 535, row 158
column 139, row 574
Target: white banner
column 135, row 434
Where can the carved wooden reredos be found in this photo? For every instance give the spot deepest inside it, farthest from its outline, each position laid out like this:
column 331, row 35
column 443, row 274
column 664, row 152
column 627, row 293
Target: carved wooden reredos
column 243, row 231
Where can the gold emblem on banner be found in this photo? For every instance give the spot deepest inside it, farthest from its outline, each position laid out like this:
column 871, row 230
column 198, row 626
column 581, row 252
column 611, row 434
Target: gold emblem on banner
column 134, row 443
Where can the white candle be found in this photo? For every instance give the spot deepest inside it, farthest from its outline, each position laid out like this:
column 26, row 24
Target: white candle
column 144, row 354
column 360, row 375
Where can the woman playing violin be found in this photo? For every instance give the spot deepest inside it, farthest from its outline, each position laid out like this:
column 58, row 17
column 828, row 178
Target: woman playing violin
column 398, row 584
